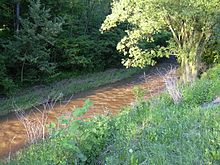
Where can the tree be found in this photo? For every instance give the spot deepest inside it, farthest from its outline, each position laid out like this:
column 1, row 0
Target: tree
column 6, row 84
column 6, row 17
column 81, row 47
column 31, row 46
column 192, row 24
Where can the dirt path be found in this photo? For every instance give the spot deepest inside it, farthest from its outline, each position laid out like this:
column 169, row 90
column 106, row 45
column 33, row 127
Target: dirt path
column 109, row 98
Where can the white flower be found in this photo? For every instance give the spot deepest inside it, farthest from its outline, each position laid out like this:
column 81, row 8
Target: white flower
column 130, row 150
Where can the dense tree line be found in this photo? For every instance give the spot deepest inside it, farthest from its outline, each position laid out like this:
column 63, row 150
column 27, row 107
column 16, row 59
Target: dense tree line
column 45, row 38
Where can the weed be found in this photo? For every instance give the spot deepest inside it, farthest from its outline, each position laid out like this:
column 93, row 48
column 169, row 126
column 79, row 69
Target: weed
column 138, row 93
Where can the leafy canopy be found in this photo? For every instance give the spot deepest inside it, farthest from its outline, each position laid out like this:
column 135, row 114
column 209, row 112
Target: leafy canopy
column 191, row 23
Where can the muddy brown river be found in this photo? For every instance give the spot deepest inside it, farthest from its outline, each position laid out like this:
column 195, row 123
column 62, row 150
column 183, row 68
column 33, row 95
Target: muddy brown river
column 110, row 98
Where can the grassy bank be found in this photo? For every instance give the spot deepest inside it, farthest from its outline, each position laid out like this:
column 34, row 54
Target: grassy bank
column 150, row 132
column 37, row 95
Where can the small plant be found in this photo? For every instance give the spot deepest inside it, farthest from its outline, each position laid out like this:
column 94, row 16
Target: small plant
column 35, row 121
column 69, row 128
column 35, row 127
column 173, row 89
column 172, row 86
column 70, row 120
column 138, row 93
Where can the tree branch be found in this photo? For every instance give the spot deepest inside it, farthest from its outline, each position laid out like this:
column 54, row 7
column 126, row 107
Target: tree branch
column 169, row 22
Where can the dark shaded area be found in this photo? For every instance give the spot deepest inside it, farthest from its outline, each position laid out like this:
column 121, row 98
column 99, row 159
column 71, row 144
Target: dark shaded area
column 54, row 39
column 171, row 59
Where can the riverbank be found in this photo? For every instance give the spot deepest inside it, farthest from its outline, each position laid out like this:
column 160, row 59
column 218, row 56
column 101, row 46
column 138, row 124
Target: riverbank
column 155, row 131
column 63, row 89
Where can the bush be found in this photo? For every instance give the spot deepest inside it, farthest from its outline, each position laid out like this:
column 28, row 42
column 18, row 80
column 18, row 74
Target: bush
column 75, row 144
column 205, row 89
column 212, row 52
column 213, row 73
column 201, row 92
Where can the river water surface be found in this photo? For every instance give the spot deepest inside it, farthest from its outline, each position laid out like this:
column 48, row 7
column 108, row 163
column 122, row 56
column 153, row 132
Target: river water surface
column 110, row 98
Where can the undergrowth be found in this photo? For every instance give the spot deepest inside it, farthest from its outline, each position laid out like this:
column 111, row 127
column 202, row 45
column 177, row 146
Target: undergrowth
column 150, row 132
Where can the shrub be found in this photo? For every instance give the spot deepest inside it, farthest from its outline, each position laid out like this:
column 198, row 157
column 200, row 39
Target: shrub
column 205, row 89
column 202, row 91
column 213, row 73
column 138, row 93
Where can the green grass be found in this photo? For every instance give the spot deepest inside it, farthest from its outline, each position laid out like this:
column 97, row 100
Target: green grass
column 35, row 96
column 150, row 132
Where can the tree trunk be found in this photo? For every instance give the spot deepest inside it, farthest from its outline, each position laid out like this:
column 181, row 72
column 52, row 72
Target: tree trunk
column 190, row 67
column 22, row 71
column 17, row 17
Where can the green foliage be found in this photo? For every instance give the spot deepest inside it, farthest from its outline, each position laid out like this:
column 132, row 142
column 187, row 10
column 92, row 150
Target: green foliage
column 213, row 73
column 30, row 49
column 169, row 136
column 6, row 84
column 205, row 89
column 212, row 50
column 81, row 46
column 70, row 134
column 152, row 132
column 71, row 143
column 89, row 52
column 192, row 29
column 6, row 17
column 42, row 50
column 138, row 93
column 78, row 112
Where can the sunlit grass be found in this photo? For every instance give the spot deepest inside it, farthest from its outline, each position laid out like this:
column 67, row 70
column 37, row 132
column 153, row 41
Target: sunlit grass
column 35, row 96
